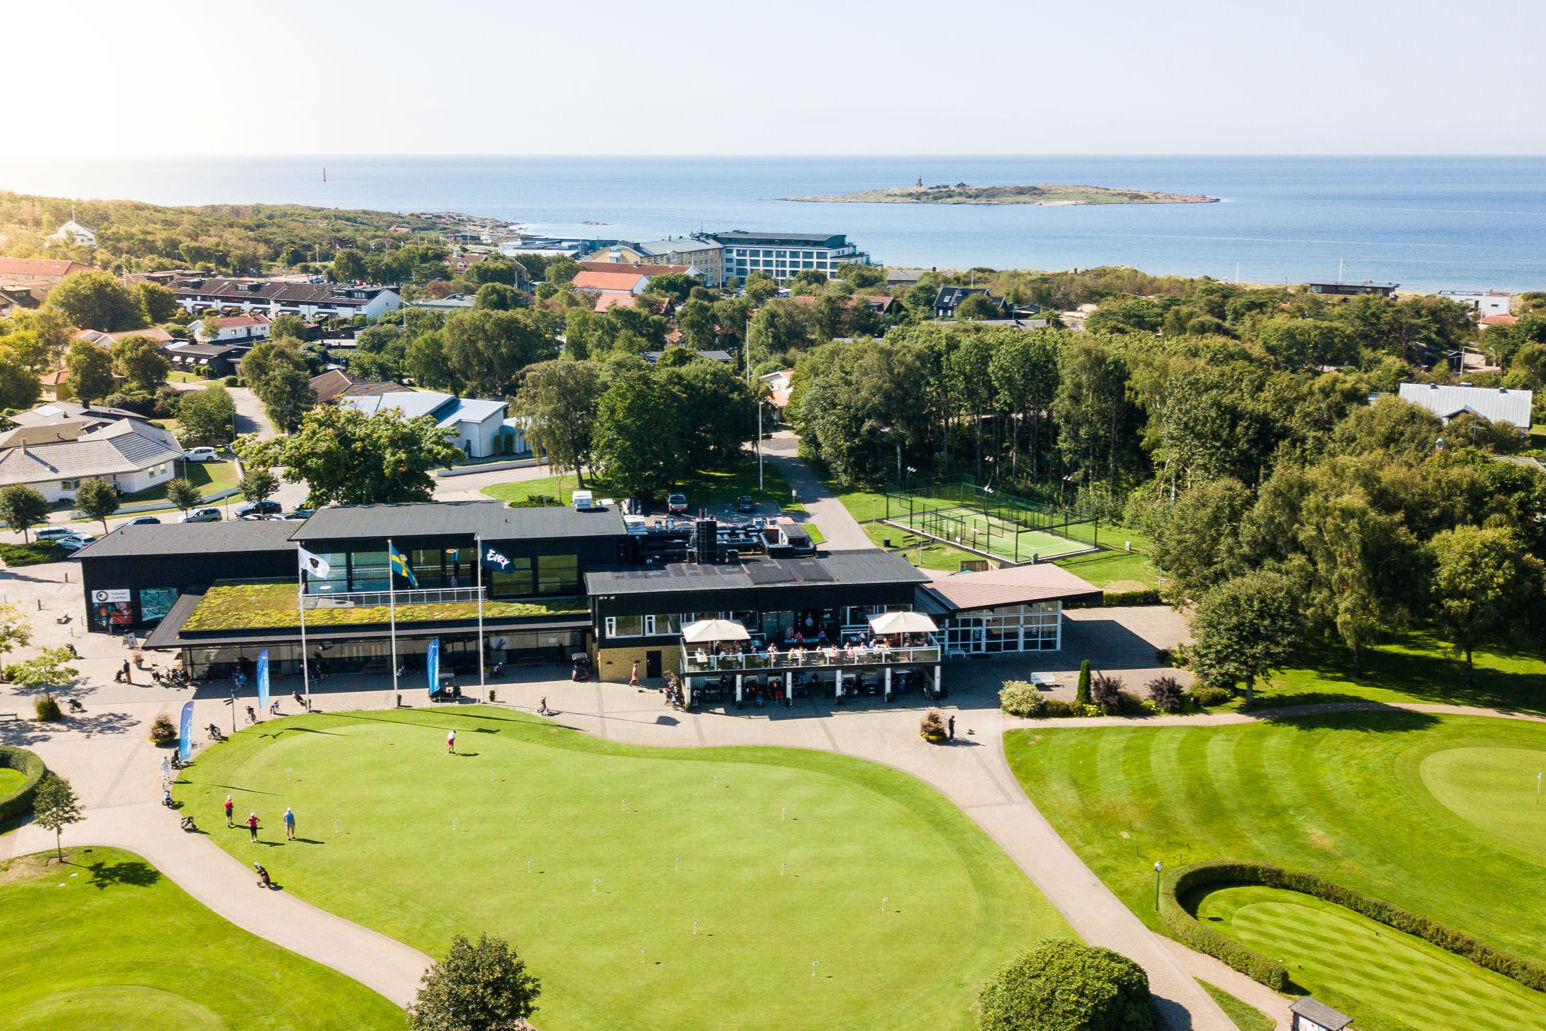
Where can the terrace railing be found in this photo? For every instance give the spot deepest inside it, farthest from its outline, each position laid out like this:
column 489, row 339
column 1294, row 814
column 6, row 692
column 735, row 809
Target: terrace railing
column 697, row 663
column 365, row 599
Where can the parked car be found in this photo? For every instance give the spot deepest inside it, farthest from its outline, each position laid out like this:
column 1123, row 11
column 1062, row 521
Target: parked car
column 200, row 454
column 676, row 504
column 744, row 503
column 144, row 521
column 633, row 507
column 259, row 508
column 74, row 542
column 53, row 533
column 299, row 514
column 208, row 514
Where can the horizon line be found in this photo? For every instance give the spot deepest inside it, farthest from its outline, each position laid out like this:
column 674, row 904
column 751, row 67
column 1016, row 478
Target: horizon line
column 345, row 155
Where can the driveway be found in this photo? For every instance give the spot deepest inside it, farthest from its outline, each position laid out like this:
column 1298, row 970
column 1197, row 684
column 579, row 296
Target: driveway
column 842, row 531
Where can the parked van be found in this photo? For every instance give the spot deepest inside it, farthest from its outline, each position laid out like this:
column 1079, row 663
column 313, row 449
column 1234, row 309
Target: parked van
column 584, row 501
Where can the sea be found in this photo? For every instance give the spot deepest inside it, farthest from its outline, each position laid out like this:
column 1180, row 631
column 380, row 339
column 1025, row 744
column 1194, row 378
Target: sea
column 1426, row 223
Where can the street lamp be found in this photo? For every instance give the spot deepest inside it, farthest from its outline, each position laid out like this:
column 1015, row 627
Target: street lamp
column 1158, row 866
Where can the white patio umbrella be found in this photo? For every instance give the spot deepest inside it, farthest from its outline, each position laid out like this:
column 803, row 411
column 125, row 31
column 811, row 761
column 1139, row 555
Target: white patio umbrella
column 705, row 631
column 902, row 623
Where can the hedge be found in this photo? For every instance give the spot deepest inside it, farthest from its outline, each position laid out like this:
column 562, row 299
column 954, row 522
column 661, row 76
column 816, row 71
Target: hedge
column 1189, row 931
column 32, row 554
column 29, row 765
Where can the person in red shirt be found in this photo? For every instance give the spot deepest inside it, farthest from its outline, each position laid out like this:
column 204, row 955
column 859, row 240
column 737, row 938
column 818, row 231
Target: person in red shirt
column 252, row 825
column 230, row 805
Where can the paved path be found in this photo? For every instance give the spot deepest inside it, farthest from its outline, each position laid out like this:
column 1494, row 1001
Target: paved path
column 842, row 531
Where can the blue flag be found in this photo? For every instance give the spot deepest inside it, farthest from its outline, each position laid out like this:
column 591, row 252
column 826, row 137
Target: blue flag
column 492, row 559
column 185, row 734
column 432, row 664
column 263, row 680
column 400, row 566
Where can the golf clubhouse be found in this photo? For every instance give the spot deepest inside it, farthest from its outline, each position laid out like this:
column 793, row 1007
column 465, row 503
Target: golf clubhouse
column 355, row 588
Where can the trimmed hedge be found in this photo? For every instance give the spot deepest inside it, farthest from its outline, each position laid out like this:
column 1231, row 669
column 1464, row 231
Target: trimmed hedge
column 1143, row 597
column 1189, row 931
column 28, row 765
column 32, row 554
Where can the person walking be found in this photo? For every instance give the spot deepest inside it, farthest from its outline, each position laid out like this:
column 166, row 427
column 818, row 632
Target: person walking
column 950, row 728
column 633, row 678
column 127, row 679
column 230, row 804
column 252, row 826
column 451, row 743
column 166, row 769
column 289, row 824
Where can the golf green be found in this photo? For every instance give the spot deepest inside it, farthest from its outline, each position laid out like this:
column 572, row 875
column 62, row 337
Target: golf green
column 1385, row 979
column 104, row 942
column 648, row 888
column 1379, row 801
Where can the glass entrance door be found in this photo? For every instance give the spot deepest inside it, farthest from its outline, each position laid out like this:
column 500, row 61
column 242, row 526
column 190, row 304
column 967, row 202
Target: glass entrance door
column 966, row 635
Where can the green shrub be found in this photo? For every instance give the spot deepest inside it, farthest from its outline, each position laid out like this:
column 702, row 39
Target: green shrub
column 1018, row 698
column 32, row 554
column 1106, row 693
column 232, row 381
column 30, row 766
column 932, row 726
column 1082, row 694
column 1129, row 704
column 537, row 501
column 47, row 708
column 1058, row 707
column 1206, row 696
column 1167, row 694
column 1144, row 597
column 1063, row 985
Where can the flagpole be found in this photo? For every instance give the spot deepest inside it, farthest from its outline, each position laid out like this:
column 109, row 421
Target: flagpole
column 392, row 610
column 478, row 562
column 300, row 599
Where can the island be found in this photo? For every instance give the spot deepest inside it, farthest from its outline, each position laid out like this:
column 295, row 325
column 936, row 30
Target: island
column 1042, row 193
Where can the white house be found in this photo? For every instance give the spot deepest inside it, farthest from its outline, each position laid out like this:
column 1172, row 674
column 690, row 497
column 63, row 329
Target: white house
column 237, row 329
column 1496, row 404
column 274, row 297
column 77, row 233
column 783, row 255
column 478, row 425
column 1483, row 302
column 133, row 455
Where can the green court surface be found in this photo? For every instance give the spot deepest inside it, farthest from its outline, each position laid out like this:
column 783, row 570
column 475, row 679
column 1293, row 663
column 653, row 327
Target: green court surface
column 1434, row 814
column 824, row 891
column 987, row 533
column 104, row 942
column 1384, row 979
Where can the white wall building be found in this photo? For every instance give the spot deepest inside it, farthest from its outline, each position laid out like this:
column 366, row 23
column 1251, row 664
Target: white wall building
column 77, row 233
column 782, row 255
column 238, row 329
column 275, row 297
column 1495, row 404
column 1485, row 303
column 477, row 424
column 134, row 456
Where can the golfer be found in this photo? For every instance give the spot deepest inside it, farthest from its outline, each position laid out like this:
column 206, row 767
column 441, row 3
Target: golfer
column 289, row 824
column 230, row 804
column 252, row 825
column 451, row 743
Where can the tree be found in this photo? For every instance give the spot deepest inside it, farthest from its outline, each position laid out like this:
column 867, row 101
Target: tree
column 258, row 484
column 15, row 631
column 1082, row 694
column 205, row 416
column 349, row 458
column 638, row 433
column 281, row 378
column 1246, row 627
column 1063, row 985
column 478, row 986
column 91, row 371
column 49, row 668
column 1485, row 586
column 499, row 297
column 348, row 266
column 485, row 351
column 19, row 385
column 55, row 807
column 140, row 361
column 157, row 303
column 96, row 499
column 182, row 494
column 558, row 399
column 977, row 308
column 22, row 508
column 94, row 299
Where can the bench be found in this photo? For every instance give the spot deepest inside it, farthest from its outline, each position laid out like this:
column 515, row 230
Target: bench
column 9, row 714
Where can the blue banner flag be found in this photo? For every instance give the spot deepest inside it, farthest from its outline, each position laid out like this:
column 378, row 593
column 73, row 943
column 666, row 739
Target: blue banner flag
column 432, row 664
column 263, row 680
column 492, row 559
column 185, row 734
column 400, row 567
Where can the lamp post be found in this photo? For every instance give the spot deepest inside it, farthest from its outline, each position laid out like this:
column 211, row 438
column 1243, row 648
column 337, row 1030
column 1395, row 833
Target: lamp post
column 1158, row 866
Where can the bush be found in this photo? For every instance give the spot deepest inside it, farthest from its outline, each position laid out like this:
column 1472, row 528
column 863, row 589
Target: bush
column 1082, row 694
column 1167, row 694
column 932, row 726
column 232, row 381
column 47, row 708
column 537, row 501
column 32, row 554
column 1144, row 597
column 1058, row 707
column 1018, row 698
column 1063, row 985
column 1205, row 696
column 1106, row 692
column 1129, row 704
column 163, row 730
column 30, row 766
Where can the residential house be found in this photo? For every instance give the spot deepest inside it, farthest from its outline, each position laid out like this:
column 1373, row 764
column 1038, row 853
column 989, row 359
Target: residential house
column 244, row 330
column 478, row 425
column 1496, row 320
column 131, row 454
column 1495, row 404
column 77, row 233
column 51, row 382
column 903, row 278
column 782, row 255
column 336, row 383
column 274, row 297
column 154, row 334
column 949, row 299
column 44, row 272
column 449, row 303
column 625, row 280
column 723, row 357
column 456, row 264
column 214, row 360
column 704, row 254
column 1483, row 302
column 606, row 300
column 1353, row 289
column 20, row 298
column 778, row 384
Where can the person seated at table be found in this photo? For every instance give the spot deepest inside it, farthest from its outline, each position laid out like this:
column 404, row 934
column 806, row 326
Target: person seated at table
column 822, row 640
column 799, row 637
column 772, row 653
column 797, row 654
column 849, row 653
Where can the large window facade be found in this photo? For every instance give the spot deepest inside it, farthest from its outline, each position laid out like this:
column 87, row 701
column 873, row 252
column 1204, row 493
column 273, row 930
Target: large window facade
column 435, row 568
column 1008, row 628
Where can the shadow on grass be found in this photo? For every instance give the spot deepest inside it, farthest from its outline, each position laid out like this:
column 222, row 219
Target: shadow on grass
column 125, row 871
column 1373, row 718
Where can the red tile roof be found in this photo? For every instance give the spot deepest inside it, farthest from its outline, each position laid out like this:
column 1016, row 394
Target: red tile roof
column 608, row 299
column 237, row 321
column 611, row 280
column 1499, row 320
column 639, row 267
column 60, row 267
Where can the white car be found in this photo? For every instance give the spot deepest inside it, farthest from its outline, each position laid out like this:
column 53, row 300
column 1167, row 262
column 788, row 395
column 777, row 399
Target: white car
column 202, row 515
column 74, row 542
column 200, row 454
column 54, row 533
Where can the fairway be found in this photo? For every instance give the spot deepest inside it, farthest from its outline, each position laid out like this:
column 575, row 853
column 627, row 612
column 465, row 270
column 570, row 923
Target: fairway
column 1384, row 979
column 824, row 891
column 104, row 943
column 1351, row 797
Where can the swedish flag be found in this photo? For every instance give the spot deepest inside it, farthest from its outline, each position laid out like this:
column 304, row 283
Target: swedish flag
column 400, row 567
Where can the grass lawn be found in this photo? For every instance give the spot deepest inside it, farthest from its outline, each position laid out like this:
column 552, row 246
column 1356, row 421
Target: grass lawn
column 10, row 780
column 702, row 488
column 1434, row 814
column 569, row 846
column 1415, row 668
column 245, row 606
column 105, row 942
column 1245, row 1016
column 1385, row 979
column 209, row 477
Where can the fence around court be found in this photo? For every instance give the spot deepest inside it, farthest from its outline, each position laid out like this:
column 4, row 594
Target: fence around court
column 991, row 522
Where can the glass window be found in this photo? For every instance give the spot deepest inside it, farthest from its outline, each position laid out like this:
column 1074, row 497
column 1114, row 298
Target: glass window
column 514, row 584
column 558, row 574
column 368, row 571
column 625, row 626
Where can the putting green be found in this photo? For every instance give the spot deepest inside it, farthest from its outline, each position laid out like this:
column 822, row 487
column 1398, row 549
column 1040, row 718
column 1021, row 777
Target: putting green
column 824, row 891
column 1495, row 791
column 1385, row 979
column 104, row 942
column 10, row 780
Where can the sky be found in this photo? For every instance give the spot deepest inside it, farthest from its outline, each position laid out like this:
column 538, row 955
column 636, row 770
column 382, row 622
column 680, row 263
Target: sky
column 167, row 77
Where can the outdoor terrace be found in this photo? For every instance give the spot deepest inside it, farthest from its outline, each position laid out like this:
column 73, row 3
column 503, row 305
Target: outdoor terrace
column 272, row 605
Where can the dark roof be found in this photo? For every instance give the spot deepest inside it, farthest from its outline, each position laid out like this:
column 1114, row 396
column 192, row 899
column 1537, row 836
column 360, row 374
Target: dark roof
column 488, row 519
column 712, row 355
column 867, row 566
column 788, row 239
column 168, row 539
column 1322, row 1014
column 282, row 291
column 1011, row 585
column 203, row 350
column 950, row 297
